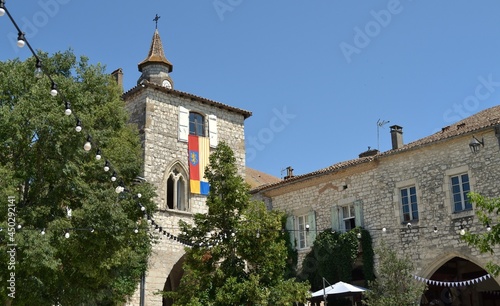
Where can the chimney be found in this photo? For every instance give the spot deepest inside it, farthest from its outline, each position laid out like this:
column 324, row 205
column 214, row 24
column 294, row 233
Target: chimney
column 396, row 136
column 289, row 173
column 118, row 76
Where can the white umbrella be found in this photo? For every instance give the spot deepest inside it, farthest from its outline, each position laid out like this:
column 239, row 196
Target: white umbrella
column 338, row 288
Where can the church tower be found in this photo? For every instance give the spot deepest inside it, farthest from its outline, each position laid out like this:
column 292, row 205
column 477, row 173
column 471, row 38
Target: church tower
column 170, row 123
column 156, row 67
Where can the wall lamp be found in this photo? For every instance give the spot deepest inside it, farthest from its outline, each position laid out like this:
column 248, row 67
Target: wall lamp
column 475, row 144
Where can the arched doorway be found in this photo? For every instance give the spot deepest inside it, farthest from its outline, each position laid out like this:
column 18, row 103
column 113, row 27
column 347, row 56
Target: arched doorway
column 460, row 282
column 173, row 280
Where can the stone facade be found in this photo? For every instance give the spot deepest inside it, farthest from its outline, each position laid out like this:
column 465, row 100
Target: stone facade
column 162, row 116
column 155, row 110
column 374, row 183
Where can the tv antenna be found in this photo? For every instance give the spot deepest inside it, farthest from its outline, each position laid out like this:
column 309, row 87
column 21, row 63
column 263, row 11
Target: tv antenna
column 380, row 123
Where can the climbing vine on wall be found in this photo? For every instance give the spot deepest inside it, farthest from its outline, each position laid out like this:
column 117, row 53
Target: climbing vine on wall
column 333, row 254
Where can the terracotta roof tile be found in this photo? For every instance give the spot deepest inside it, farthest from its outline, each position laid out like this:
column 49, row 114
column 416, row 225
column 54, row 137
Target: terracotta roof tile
column 156, row 53
column 485, row 119
column 178, row 93
column 256, row 178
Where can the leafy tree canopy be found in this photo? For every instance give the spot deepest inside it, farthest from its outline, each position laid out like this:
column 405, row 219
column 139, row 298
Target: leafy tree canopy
column 58, row 187
column 239, row 254
column 488, row 211
column 395, row 284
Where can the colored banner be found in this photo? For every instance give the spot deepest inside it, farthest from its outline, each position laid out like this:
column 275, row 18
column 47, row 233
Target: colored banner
column 198, row 153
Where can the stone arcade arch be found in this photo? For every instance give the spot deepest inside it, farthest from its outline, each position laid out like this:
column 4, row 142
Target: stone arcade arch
column 453, row 267
column 173, row 280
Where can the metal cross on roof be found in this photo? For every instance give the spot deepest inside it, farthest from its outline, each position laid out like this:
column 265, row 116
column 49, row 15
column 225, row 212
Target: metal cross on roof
column 156, row 20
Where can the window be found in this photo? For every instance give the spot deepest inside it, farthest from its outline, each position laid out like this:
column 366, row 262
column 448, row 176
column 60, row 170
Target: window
column 347, row 215
column 460, row 187
column 301, row 226
column 193, row 123
column 196, row 124
column 348, row 218
column 409, row 204
column 302, row 232
column 176, row 191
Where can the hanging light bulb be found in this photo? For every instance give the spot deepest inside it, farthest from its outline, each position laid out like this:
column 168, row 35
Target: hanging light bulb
column 98, row 154
column 21, row 40
column 38, row 69
column 258, row 234
column 67, row 112
column 66, row 235
column 88, row 145
column 53, row 89
column 136, row 231
column 42, row 232
column 488, row 227
column 113, row 176
column 119, row 189
column 384, row 229
column 2, row 7
column 78, row 127
column 106, row 166
column 142, row 207
column 19, row 226
column 139, row 195
column 462, row 230
column 435, row 229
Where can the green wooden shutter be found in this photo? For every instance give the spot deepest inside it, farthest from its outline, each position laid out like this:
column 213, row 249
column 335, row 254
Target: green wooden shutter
column 311, row 236
column 358, row 213
column 290, row 227
column 335, row 218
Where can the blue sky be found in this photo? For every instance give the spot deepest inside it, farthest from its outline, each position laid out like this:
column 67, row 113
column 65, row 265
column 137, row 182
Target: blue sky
column 317, row 75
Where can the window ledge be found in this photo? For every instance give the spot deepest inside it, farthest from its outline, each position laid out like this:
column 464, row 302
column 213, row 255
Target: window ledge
column 176, row 212
column 304, row 250
column 462, row 214
column 412, row 222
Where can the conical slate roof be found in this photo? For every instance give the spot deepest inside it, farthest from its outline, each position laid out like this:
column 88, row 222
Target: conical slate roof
column 156, row 54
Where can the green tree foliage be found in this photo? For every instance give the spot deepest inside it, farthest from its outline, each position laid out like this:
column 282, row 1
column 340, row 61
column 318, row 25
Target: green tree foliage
column 395, row 284
column 239, row 254
column 332, row 257
column 44, row 167
column 488, row 210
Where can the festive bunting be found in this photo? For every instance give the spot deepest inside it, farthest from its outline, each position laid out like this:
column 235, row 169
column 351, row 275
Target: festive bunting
column 452, row 284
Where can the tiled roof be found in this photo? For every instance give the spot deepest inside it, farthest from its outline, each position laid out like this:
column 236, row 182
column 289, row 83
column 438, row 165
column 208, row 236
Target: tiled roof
column 156, row 53
column 485, row 119
column 146, row 84
column 256, row 178
column 331, row 169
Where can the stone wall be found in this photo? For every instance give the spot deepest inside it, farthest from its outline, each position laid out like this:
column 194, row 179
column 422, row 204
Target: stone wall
column 376, row 183
column 156, row 112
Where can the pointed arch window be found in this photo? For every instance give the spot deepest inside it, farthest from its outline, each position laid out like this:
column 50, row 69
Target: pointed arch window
column 177, row 190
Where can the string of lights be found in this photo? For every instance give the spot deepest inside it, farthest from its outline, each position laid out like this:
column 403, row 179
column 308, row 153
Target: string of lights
column 89, row 143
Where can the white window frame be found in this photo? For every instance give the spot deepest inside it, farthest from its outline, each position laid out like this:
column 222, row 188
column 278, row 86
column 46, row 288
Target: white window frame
column 302, row 241
column 447, row 187
column 463, row 196
column 337, row 216
column 350, row 218
column 409, row 204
